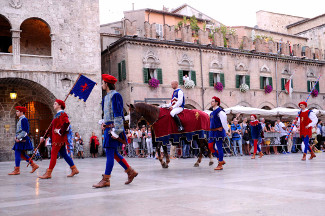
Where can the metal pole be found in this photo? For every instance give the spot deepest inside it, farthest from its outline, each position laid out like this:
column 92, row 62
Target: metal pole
column 276, row 82
column 201, row 77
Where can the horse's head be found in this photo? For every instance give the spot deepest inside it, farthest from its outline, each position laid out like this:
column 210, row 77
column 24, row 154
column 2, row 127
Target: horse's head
column 134, row 116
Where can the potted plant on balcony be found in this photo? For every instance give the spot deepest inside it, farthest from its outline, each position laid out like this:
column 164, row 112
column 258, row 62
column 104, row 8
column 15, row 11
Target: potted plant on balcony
column 314, row 93
column 268, row 89
column 154, row 83
column 189, row 84
column 243, row 88
column 218, row 86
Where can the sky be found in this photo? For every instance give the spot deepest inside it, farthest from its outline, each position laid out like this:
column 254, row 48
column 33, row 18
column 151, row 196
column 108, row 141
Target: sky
column 228, row 12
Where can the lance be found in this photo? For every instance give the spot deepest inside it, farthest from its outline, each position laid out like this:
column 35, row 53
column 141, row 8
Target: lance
column 292, row 125
column 30, row 159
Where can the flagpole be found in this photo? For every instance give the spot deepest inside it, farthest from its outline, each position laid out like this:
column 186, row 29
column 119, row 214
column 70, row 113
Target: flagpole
column 292, row 125
column 30, row 159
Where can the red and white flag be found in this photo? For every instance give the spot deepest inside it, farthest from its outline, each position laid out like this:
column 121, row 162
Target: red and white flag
column 288, row 86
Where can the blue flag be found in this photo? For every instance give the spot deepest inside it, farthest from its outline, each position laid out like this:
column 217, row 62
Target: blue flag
column 83, row 88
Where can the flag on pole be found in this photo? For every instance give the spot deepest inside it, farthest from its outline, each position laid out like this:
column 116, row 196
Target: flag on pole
column 83, row 88
column 288, row 86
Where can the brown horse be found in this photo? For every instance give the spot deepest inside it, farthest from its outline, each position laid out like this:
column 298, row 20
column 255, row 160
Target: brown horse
column 151, row 114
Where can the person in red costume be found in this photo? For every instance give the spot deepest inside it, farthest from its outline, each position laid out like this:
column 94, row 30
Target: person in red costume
column 58, row 133
column 307, row 119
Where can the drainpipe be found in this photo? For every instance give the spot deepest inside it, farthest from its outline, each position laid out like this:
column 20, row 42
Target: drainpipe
column 201, row 67
column 276, row 81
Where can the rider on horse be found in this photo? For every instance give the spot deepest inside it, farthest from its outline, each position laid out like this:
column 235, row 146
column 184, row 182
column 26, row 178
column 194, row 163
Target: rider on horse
column 177, row 104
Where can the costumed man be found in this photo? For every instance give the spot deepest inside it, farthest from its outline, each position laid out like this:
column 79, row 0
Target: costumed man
column 114, row 134
column 256, row 130
column 307, row 119
column 218, row 130
column 58, row 132
column 22, row 141
column 177, row 104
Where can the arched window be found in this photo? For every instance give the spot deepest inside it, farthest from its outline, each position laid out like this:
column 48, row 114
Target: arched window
column 35, row 37
column 5, row 35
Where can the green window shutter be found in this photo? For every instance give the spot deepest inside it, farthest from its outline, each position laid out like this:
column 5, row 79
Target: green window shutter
column 261, row 82
column 119, row 72
column 193, row 76
column 159, row 75
column 145, row 75
column 237, row 81
column 180, row 77
column 211, row 83
column 292, row 83
column 123, row 70
column 317, row 86
column 270, row 81
column 308, row 86
column 222, row 79
column 248, row 81
column 282, row 84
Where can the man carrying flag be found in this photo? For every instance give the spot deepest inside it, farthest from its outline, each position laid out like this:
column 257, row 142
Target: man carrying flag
column 58, row 132
column 114, row 134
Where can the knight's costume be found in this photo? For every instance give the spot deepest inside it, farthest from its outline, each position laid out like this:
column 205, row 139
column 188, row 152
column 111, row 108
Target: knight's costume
column 24, row 143
column 114, row 134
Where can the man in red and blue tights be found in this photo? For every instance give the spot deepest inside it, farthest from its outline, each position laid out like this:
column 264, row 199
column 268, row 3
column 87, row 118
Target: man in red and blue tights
column 22, row 141
column 307, row 119
column 114, row 134
column 256, row 129
column 218, row 129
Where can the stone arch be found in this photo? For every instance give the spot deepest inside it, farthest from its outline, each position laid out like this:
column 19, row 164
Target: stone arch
column 27, row 92
column 317, row 106
column 193, row 103
column 290, row 105
column 244, row 103
column 5, row 35
column 265, row 68
column 241, row 67
column 222, row 104
column 185, row 63
column 150, row 60
column 35, row 37
column 189, row 106
column 215, row 64
column 266, row 104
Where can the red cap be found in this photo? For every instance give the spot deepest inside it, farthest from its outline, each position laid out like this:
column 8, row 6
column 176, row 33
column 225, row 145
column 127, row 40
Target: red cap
column 216, row 99
column 61, row 103
column 303, row 102
column 109, row 78
column 254, row 116
column 21, row 109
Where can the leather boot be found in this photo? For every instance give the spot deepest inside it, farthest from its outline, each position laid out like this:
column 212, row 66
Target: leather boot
column 15, row 172
column 253, row 157
column 105, row 182
column 34, row 167
column 74, row 171
column 179, row 123
column 47, row 174
column 131, row 175
column 312, row 155
column 219, row 167
column 222, row 162
column 303, row 157
column 260, row 154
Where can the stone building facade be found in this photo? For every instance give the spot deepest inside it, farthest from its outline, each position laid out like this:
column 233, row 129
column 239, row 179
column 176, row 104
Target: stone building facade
column 44, row 47
column 204, row 63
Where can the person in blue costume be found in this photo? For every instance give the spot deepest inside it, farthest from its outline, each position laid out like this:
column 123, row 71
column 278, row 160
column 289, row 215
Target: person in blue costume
column 256, row 129
column 22, row 141
column 114, row 134
column 218, row 130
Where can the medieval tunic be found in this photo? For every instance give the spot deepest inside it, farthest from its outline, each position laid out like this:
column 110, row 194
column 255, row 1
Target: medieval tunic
column 306, row 118
column 113, row 118
column 22, row 131
column 60, row 121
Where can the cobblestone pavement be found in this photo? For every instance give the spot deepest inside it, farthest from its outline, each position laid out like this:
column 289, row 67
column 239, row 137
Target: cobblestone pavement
column 274, row 185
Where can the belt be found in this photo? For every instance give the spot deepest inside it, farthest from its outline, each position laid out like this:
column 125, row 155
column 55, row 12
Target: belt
column 216, row 129
column 109, row 125
column 118, row 138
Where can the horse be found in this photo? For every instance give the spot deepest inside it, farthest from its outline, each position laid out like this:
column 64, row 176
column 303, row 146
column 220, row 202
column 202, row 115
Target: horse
column 151, row 114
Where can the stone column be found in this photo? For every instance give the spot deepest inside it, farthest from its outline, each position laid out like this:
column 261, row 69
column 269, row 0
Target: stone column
column 16, row 46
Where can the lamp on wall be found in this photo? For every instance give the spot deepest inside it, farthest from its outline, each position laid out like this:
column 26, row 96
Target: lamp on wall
column 13, row 94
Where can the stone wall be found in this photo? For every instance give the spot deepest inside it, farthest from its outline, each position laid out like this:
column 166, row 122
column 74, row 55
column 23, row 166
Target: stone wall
column 75, row 48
